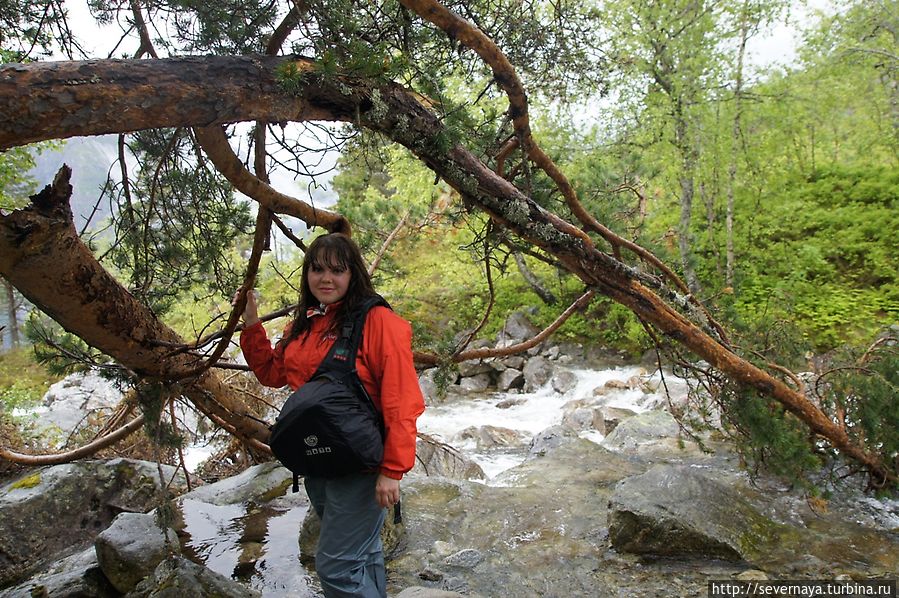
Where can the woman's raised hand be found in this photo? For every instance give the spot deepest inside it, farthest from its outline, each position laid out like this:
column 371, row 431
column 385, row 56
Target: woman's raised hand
column 251, row 309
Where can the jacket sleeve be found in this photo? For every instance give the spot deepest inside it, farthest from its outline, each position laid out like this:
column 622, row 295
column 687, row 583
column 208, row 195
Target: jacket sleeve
column 387, row 343
column 266, row 363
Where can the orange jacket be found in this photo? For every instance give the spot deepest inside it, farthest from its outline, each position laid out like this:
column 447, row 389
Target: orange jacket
column 384, row 364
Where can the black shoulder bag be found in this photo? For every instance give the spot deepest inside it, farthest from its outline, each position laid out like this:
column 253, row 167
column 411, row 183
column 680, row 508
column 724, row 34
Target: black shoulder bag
column 330, row 427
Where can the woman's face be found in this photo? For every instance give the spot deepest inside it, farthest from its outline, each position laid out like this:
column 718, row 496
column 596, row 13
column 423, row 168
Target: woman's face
column 328, row 282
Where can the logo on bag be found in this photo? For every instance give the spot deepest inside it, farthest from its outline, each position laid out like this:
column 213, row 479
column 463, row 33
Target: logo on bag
column 311, row 440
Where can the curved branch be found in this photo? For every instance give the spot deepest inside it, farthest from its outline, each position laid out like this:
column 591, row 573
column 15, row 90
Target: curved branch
column 215, row 143
column 388, row 242
column 504, row 73
column 79, row 453
column 431, row 359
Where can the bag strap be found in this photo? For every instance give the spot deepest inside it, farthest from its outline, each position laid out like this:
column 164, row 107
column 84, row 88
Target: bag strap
column 341, row 359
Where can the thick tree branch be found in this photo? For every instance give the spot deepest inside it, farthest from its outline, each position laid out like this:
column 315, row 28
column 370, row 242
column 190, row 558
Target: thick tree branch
column 215, row 143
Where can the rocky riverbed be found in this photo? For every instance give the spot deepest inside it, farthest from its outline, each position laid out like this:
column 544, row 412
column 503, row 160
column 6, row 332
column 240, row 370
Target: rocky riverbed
column 558, row 474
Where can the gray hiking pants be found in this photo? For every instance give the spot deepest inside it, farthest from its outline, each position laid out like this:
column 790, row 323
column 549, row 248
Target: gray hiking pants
column 349, row 559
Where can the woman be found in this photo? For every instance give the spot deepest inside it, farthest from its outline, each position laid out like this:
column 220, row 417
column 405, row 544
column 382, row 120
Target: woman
column 349, row 559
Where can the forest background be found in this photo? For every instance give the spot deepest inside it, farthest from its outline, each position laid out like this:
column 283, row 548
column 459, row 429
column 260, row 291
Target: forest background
column 773, row 192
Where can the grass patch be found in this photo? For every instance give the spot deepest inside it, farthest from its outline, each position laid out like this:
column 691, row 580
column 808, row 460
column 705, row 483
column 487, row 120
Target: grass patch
column 23, row 381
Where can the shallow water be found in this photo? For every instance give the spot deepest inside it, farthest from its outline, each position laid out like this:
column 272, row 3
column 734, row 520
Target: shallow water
column 255, row 544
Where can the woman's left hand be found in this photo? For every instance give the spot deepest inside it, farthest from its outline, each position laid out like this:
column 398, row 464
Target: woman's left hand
column 387, row 491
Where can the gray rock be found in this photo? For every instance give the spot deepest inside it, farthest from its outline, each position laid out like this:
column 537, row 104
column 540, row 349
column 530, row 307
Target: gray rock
column 466, row 559
column 552, row 352
column 510, row 378
column 516, row 329
column 612, row 416
column 435, row 458
column 515, row 362
column 640, row 430
column 428, row 386
column 489, row 437
column 564, row 381
column 548, row 440
column 537, row 372
column 581, row 419
column 475, row 384
column 420, row 592
column 676, row 511
column 510, row 402
column 76, row 576
column 474, row 367
column 72, row 400
column 178, row 577
column 131, row 548
column 250, row 484
column 77, row 501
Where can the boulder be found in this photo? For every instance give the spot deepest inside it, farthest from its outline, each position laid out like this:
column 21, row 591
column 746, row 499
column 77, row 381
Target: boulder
column 564, row 381
column 474, row 367
column 75, row 576
column 475, row 384
column 548, row 440
column 674, row 510
column 178, row 577
column 516, row 329
column 420, row 592
column 611, row 417
column 537, row 372
column 509, row 378
column 131, row 548
column 435, row 458
column 639, row 431
column 489, row 437
column 77, row 501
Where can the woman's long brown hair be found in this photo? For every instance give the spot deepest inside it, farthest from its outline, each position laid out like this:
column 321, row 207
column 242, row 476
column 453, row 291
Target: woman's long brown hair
column 334, row 250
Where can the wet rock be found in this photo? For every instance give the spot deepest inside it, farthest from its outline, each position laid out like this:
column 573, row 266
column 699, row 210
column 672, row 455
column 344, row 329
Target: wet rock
column 510, row 402
column 489, row 437
column 465, row 559
column 77, row 501
column 612, row 417
column 510, row 378
column 435, row 458
column 420, row 592
column 564, row 381
column 548, row 440
column 178, row 577
column 615, row 385
column 475, row 384
column 641, row 430
column 76, row 576
column 256, row 483
column 676, row 511
column 537, row 372
column 581, row 419
column 131, row 548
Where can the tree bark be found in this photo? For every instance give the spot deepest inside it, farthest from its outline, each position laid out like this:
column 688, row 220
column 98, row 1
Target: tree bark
column 42, row 256
column 78, row 289
column 12, row 316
